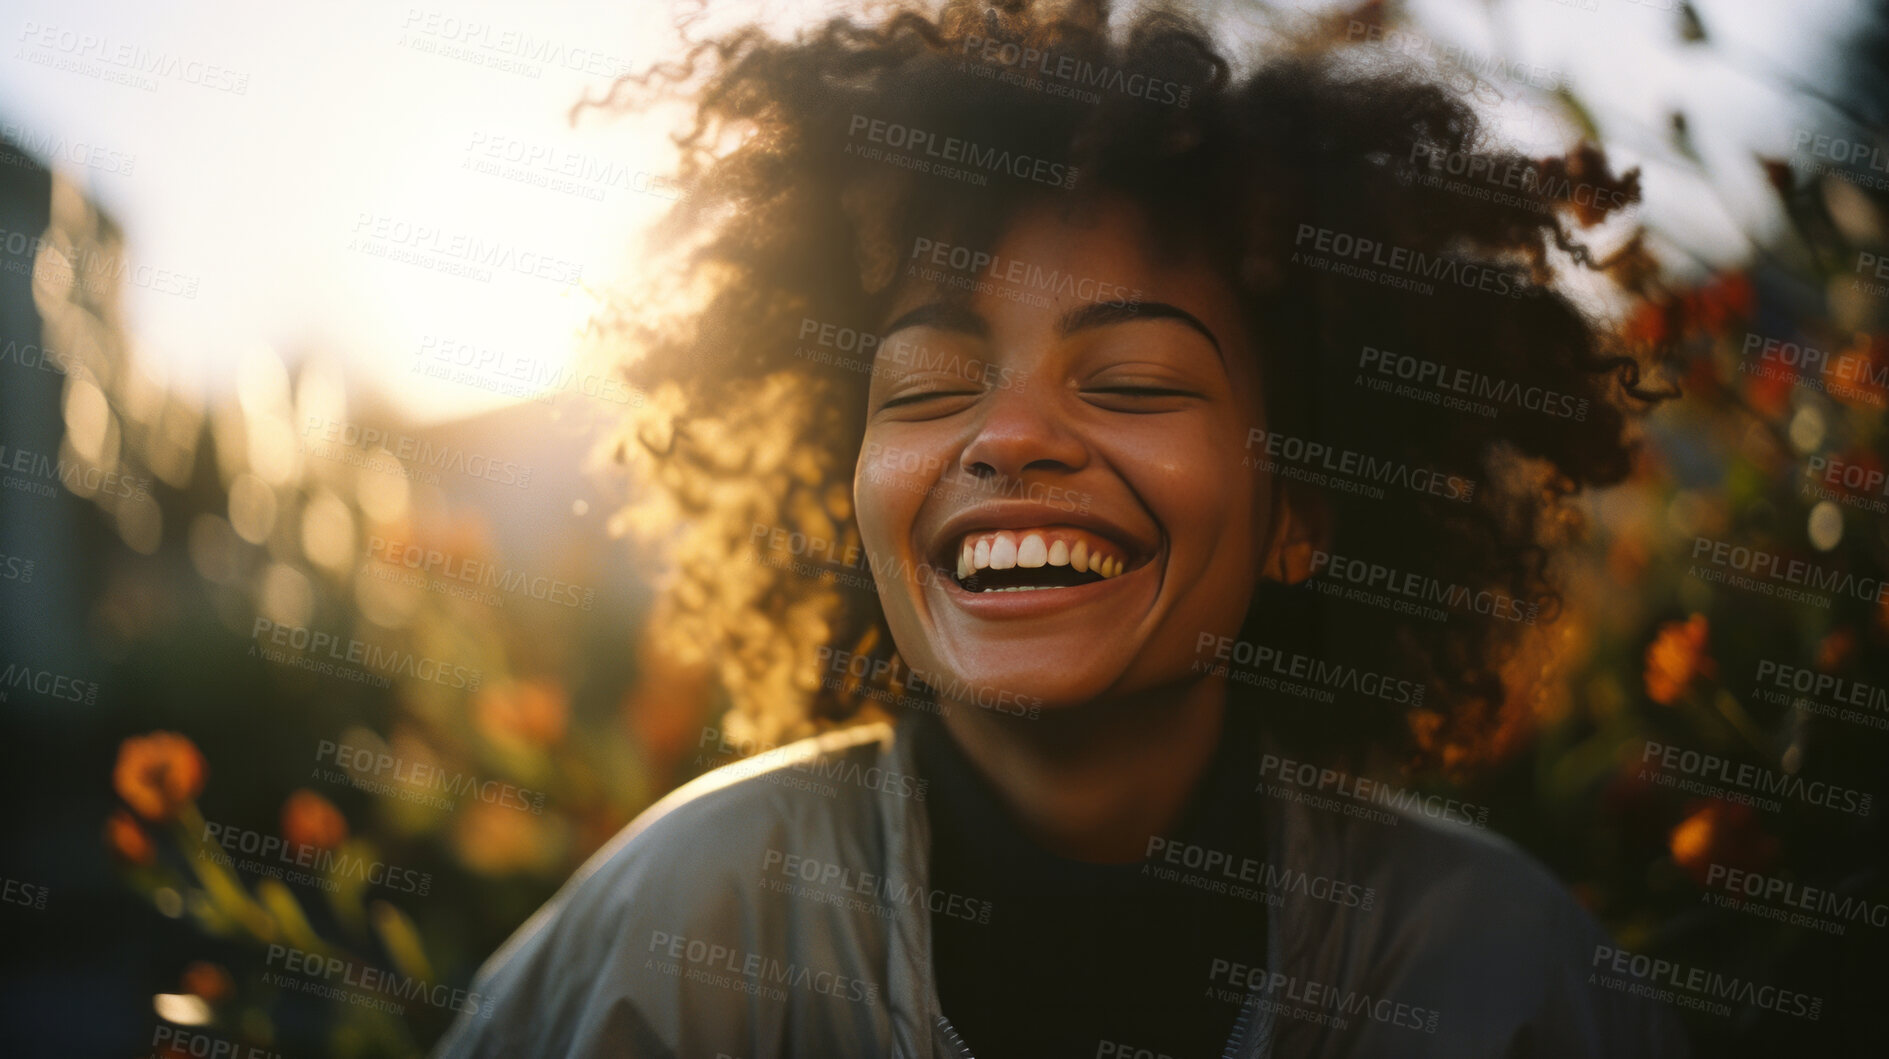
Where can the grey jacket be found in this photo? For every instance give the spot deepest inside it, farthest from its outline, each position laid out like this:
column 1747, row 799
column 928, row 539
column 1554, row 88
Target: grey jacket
column 780, row 907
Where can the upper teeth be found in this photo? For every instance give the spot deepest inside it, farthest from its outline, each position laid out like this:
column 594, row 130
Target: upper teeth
column 1005, row 549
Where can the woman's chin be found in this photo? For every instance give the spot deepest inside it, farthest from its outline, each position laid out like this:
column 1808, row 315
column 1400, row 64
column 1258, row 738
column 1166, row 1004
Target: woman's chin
column 1030, row 690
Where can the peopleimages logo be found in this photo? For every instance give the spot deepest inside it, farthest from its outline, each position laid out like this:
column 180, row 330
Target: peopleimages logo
column 952, row 149
column 1223, row 872
column 32, row 472
column 1877, row 267
column 1693, row 987
column 22, row 143
column 1824, row 693
column 1040, row 69
column 338, row 439
column 46, row 683
column 1745, row 782
column 89, row 268
column 17, row 568
column 504, row 48
column 1482, row 71
column 1772, row 567
column 1315, row 1001
column 1816, row 907
column 1846, row 481
column 459, row 568
column 1464, row 386
column 1421, row 588
column 879, row 888
column 365, row 769
column 40, row 358
column 178, row 1040
column 500, row 371
column 752, row 972
column 932, row 474
column 1015, row 273
column 24, row 894
column 455, row 253
column 336, row 648
column 1343, row 253
column 1826, row 685
column 1311, row 783
column 121, row 61
column 1319, row 463
column 774, row 760
column 1845, row 374
column 1861, row 162
column 1868, row 154
column 279, row 858
column 892, row 359
column 557, row 168
column 1485, row 177
column 316, row 971
column 1336, row 676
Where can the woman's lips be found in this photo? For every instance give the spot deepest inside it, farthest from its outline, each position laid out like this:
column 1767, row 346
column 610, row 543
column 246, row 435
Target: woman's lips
column 1060, row 551
column 1030, row 571
column 1027, row 602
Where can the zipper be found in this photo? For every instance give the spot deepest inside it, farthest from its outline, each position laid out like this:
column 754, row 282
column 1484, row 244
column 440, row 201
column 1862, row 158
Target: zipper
column 958, row 1050
column 955, row 1042
column 1236, row 1042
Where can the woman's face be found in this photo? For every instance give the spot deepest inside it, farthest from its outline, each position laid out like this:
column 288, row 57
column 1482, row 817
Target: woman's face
column 1052, row 495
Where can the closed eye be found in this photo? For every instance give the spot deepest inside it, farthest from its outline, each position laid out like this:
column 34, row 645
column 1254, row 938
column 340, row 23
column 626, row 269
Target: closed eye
column 1142, row 400
column 1143, row 391
column 928, row 395
column 1126, row 397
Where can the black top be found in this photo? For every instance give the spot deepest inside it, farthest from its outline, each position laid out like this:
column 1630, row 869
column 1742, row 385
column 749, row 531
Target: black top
column 1080, row 959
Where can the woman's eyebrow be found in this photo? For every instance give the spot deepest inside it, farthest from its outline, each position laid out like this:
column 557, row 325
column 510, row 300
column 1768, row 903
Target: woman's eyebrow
column 1105, row 314
column 956, row 316
column 948, row 316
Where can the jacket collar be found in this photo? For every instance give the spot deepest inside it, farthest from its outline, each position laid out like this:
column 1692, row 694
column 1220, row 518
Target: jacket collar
column 920, row 1030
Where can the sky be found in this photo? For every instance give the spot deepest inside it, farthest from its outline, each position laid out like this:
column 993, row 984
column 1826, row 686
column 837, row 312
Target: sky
column 399, row 188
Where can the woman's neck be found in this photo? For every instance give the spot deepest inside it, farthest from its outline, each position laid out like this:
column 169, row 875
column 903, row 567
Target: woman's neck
column 1095, row 782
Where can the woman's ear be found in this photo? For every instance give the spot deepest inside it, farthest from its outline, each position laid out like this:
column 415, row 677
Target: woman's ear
column 1301, row 529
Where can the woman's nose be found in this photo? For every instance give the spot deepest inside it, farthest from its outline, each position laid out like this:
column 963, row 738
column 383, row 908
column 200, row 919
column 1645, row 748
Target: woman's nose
column 1022, row 427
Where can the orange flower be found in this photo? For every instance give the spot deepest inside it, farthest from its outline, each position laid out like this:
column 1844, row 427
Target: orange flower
column 529, row 711
column 667, row 704
column 308, row 819
column 1835, row 650
column 497, row 840
column 1725, row 300
column 1676, row 658
column 1868, row 468
column 1720, row 833
column 127, row 840
column 208, row 980
column 158, row 773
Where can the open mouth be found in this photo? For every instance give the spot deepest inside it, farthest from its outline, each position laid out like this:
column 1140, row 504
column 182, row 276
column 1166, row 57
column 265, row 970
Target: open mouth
column 1035, row 560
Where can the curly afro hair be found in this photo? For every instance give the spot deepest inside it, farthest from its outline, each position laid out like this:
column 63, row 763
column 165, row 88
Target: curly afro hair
column 1403, row 273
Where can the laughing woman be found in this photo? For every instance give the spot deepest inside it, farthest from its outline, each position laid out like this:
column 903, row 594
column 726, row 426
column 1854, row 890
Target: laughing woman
column 1057, row 387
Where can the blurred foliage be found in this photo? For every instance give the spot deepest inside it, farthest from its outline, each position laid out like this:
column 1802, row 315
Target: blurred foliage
column 235, row 738
column 386, row 758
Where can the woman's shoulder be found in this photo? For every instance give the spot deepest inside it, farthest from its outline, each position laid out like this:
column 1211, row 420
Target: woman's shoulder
column 817, row 783
column 1468, row 927
column 720, row 827
column 698, row 878
column 1418, row 852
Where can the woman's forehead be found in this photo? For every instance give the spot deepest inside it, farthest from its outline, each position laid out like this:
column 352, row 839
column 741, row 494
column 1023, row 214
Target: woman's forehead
column 1049, row 257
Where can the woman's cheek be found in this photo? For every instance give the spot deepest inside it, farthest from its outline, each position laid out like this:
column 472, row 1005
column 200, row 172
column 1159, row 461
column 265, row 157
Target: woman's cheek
column 1190, row 470
column 891, row 482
